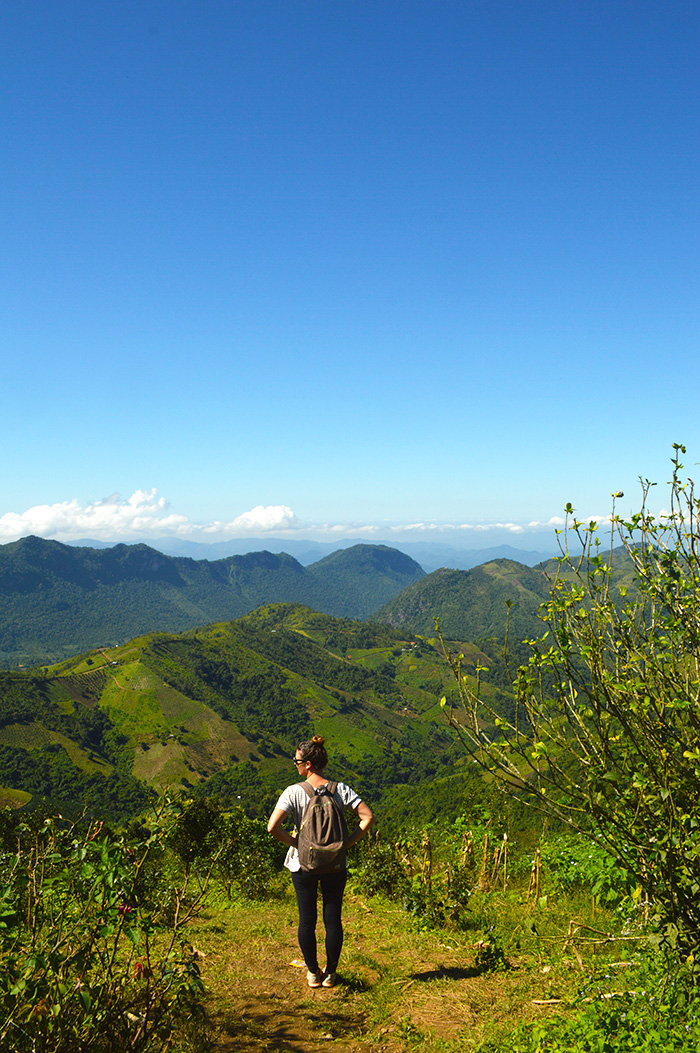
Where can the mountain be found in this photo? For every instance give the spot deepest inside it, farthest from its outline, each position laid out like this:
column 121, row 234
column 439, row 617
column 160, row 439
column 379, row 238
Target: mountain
column 57, row 600
column 472, row 604
column 219, row 710
column 431, row 555
column 367, row 571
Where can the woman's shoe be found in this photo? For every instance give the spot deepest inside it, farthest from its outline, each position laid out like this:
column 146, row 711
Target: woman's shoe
column 330, row 980
column 314, row 979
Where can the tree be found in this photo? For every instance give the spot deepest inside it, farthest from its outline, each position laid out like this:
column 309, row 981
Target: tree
column 606, row 728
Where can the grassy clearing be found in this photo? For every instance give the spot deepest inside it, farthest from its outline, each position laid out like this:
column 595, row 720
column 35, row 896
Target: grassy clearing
column 403, row 987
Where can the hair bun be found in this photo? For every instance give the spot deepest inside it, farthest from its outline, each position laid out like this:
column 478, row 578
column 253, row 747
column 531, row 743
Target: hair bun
column 318, row 739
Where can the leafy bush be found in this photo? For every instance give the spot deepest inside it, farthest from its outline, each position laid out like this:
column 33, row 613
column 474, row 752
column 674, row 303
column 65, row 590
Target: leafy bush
column 575, row 863
column 605, row 735
column 490, row 955
column 381, row 872
column 425, row 905
column 658, row 1013
column 242, row 852
column 87, row 960
column 247, row 854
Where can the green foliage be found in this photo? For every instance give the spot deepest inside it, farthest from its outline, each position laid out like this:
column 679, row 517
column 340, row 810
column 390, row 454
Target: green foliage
column 49, row 773
column 574, row 863
column 402, row 871
column 88, row 961
column 247, row 855
column 381, row 871
column 244, row 854
column 659, row 1012
column 606, row 731
column 490, row 955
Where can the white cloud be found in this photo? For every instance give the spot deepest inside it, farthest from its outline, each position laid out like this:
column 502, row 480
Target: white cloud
column 145, row 514
column 109, row 519
column 477, row 528
column 272, row 517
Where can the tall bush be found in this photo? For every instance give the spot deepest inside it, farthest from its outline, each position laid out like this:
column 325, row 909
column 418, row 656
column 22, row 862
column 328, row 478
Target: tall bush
column 606, row 729
column 91, row 957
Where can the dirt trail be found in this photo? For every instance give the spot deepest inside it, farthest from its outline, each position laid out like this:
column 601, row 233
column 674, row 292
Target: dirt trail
column 397, row 985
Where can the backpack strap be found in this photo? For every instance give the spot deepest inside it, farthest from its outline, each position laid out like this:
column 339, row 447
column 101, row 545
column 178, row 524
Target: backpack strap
column 310, row 791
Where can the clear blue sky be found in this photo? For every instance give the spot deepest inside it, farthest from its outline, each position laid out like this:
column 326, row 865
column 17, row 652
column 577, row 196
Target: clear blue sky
column 343, row 262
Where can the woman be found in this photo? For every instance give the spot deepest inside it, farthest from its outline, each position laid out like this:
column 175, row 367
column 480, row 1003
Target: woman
column 310, row 759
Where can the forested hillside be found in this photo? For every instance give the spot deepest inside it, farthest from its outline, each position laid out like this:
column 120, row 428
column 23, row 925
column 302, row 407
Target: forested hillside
column 480, row 604
column 218, row 711
column 58, row 600
column 472, row 604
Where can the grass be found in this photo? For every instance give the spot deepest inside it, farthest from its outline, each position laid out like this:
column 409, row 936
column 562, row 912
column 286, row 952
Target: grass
column 402, row 988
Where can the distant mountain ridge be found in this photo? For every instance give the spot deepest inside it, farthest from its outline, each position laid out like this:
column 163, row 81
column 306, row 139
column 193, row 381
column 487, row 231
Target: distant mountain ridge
column 58, row 600
column 481, row 603
column 431, row 555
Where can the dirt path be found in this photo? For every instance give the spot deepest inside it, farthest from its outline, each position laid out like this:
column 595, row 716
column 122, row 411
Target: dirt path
column 398, row 986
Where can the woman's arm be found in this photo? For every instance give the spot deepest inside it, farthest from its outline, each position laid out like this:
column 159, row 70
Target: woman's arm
column 366, row 820
column 274, row 827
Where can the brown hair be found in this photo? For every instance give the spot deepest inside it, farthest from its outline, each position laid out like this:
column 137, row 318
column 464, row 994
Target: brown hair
column 315, row 752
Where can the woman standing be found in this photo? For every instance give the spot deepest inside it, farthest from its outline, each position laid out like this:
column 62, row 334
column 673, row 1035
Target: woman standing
column 310, row 759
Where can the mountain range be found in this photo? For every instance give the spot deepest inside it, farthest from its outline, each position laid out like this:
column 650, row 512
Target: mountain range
column 217, row 709
column 430, row 554
column 58, row 600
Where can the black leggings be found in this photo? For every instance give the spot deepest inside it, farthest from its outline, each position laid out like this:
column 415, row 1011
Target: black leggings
column 332, row 888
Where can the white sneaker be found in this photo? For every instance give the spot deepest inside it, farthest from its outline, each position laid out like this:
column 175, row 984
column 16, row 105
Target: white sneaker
column 314, row 979
column 330, row 980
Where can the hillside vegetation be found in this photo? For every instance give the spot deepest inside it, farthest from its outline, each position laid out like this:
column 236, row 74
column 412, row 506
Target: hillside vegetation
column 58, row 600
column 484, row 602
column 472, row 604
column 218, row 710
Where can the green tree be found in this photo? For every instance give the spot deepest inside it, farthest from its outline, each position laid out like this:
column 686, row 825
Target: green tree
column 605, row 729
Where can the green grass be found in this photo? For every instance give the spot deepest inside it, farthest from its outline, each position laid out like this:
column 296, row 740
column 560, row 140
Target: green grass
column 403, row 987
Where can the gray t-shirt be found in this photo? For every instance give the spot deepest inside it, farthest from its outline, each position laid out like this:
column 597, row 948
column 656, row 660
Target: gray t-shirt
column 293, row 801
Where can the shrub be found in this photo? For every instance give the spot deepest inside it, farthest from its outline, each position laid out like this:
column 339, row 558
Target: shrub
column 87, row 961
column 658, row 1013
column 381, row 872
column 605, row 733
column 247, row 855
column 576, row 864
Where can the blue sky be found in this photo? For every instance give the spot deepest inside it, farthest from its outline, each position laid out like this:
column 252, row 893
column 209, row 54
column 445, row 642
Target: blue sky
column 323, row 267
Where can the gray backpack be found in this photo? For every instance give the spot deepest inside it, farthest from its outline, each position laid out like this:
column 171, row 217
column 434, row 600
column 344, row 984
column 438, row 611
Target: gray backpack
column 323, row 834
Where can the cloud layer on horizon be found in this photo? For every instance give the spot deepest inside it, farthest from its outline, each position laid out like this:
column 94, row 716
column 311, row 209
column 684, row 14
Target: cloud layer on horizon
column 147, row 515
